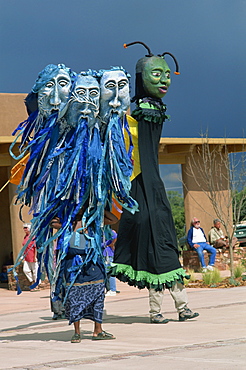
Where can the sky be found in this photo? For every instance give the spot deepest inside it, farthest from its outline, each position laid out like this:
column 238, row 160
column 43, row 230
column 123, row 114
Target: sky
column 208, row 38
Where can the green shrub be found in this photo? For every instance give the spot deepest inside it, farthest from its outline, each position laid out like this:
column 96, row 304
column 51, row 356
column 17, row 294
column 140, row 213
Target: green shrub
column 212, row 277
column 239, row 270
column 191, row 273
column 234, row 282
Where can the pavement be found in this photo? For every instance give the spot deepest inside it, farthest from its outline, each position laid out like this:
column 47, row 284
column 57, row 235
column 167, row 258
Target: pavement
column 31, row 340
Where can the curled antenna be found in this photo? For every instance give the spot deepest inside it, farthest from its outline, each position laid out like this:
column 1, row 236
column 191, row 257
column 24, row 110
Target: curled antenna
column 175, row 61
column 142, row 43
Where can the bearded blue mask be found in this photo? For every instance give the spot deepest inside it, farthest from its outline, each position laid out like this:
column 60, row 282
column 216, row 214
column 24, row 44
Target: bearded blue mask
column 115, row 93
column 84, row 101
column 53, row 87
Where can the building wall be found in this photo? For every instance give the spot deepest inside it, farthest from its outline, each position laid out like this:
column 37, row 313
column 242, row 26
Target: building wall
column 196, row 201
column 12, row 112
column 5, row 229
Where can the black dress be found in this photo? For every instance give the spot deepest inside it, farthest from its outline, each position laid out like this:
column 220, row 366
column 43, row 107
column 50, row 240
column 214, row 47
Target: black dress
column 146, row 252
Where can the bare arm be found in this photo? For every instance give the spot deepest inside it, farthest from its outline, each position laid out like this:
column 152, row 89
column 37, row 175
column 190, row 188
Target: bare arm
column 109, row 218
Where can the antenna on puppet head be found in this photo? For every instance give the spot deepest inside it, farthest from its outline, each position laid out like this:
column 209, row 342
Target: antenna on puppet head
column 142, row 43
column 151, row 54
column 175, row 61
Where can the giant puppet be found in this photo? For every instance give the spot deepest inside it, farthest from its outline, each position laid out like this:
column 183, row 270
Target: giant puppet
column 72, row 151
column 146, row 253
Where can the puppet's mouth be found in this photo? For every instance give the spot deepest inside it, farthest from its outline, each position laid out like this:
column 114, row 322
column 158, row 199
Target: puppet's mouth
column 163, row 89
column 115, row 111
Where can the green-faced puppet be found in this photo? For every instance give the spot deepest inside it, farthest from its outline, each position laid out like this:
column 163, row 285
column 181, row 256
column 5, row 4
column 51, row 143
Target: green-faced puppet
column 155, row 75
column 152, row 75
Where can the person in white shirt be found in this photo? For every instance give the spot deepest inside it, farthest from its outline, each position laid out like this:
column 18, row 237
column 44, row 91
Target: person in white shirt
column 197, row 240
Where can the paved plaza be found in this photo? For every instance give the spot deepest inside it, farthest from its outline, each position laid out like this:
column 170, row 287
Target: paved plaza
column 30, row 339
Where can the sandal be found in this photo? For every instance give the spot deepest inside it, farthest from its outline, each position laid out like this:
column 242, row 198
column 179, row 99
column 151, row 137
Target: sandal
column 34, row 290
column 76, row 338
column 103, row 336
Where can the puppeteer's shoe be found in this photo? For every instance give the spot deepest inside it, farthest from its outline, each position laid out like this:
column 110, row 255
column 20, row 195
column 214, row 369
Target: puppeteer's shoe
column 110, row 293
column 187, row 314
column 158, row 319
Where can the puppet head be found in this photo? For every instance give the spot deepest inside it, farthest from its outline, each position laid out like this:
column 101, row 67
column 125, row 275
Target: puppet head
column 115, row 92
column 53, row 87
column 152, row 74
column 155, row 76
column 84, row 101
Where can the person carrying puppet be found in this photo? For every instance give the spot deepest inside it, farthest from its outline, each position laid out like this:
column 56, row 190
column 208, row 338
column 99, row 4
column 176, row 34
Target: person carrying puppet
column 146, row 252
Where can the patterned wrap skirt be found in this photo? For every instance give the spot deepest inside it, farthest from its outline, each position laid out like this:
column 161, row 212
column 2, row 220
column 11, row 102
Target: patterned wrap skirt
column 85, row 301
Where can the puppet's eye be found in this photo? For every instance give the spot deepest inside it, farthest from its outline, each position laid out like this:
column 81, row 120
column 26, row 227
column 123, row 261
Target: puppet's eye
column 110, row 85
column 80, row 92
column 122, row 84
column 49, row 84
column 63, row 83
column 94, row 93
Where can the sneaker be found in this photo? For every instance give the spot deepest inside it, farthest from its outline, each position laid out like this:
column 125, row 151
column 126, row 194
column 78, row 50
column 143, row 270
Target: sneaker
column 110, row 293
column 204, row 269
column 187, row 314
column 60, row 316
column 63, row 316
column 55, row 316
column 210, row 268
column 158, row 319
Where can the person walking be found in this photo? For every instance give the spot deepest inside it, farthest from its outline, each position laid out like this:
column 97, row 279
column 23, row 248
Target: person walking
column 30, row 265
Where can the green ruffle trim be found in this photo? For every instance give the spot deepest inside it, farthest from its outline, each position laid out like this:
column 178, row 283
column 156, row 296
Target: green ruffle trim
column 144, row 279
column 149, row 115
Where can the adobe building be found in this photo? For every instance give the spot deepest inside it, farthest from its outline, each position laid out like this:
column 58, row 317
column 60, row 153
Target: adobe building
column 171, row 151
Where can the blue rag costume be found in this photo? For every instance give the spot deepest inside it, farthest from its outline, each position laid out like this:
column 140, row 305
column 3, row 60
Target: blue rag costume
column 72, row 166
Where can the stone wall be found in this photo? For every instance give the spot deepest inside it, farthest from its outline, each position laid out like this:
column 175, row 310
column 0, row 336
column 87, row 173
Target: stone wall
column 222, row 260
column 23, row 281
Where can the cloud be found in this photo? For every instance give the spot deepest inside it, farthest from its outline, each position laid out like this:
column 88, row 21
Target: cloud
column 171, row 175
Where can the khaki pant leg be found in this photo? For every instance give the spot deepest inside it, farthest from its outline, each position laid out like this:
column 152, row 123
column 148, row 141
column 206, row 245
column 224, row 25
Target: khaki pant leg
column 27, row 271
column 35, row 271
column 155, row 302
column 179, row 295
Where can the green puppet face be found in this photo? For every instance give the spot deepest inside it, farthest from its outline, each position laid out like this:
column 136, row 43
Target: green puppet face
column 156, row 77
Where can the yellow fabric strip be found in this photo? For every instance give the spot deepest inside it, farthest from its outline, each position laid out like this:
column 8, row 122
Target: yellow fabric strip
column 133, row 126
column 87, row 283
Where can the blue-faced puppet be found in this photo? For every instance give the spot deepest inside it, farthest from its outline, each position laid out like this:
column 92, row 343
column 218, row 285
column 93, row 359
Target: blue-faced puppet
column 116, row 160
column 115, row 93
column 85, row 154
column 53, row 87
column 40, row 133
column 84, row 100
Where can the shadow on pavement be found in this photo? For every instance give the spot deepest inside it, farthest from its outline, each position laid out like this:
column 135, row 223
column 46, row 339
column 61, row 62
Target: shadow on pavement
column 61, row 336
column 46, row 321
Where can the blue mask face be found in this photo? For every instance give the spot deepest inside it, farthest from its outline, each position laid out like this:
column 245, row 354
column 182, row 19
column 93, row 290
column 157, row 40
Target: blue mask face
column 53, row 95
column 115, row 94
column 84, row 101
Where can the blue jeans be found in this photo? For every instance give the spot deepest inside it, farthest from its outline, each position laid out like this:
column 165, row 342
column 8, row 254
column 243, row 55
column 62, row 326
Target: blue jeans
column 112, row 279
column 209, row 249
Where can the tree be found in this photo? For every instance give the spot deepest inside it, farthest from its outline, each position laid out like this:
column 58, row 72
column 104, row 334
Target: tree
column 177, row 205
column 240, row 197
column 220, row 175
